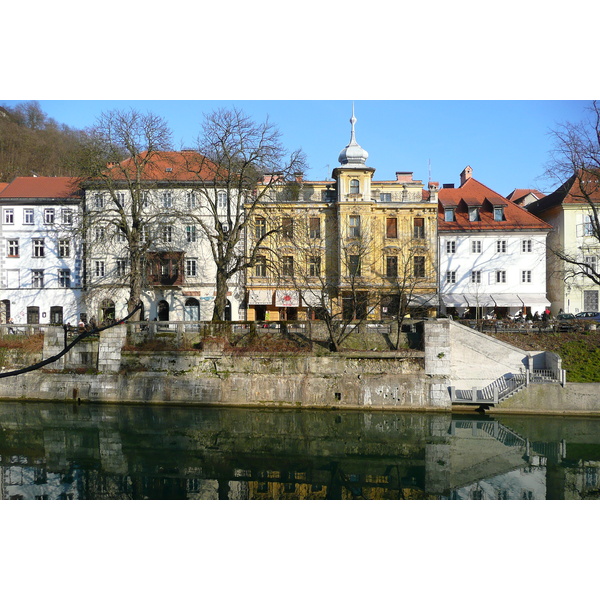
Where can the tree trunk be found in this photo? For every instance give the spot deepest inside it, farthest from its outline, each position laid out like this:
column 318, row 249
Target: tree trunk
column 220, row 297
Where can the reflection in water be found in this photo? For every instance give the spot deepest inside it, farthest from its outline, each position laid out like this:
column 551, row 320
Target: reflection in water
column 67, row 451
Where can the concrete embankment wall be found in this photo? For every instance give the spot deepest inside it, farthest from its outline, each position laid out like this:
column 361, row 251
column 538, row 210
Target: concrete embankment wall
column 573, row 398
column 294, row 381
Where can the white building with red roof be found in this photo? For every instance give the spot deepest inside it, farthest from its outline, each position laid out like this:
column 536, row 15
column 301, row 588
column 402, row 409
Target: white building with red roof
column 492, row 253
column 40, row 253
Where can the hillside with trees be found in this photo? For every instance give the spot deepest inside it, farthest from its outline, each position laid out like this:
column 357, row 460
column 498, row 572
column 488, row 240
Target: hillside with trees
column 31, row 143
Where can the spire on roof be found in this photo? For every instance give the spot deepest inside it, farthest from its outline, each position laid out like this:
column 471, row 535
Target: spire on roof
column 353, row 155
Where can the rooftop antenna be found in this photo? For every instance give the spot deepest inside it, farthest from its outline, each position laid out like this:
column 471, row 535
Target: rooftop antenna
column 429, row 180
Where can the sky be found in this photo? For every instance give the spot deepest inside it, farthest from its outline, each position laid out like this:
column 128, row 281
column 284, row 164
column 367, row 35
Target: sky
column 506, row 142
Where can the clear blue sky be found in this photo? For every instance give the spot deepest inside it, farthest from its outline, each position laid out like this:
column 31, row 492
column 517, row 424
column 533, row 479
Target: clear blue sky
column 505, row 142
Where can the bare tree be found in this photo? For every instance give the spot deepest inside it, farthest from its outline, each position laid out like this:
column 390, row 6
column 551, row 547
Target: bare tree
column 241, row 166
column 119, row 216
column 575, row 162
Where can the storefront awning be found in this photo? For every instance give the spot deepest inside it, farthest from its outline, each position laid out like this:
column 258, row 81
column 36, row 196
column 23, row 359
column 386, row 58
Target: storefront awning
column 313, row 298
column 507, row 300
column 454, row 300
column 287, row 298
column 260, row 296
column 534, row 299
column 479, row 300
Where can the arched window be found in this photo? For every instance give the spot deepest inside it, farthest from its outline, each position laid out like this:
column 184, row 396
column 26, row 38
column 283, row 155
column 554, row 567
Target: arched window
column 192, row 310
column 354, row 186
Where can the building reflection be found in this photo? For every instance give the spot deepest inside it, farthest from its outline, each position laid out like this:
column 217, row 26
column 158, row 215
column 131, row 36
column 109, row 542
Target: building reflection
column 65, row 451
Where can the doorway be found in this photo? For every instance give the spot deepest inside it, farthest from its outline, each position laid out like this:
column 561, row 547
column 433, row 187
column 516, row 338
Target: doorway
column 162, row 310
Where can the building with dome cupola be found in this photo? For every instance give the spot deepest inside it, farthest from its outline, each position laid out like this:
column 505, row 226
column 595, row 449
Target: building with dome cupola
column 355, row 246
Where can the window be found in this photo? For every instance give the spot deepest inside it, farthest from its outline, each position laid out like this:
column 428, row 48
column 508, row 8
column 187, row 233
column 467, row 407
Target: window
column 473, row 213
column 99, row 234
column 450, row 247
column 498, row 213
column 190, row 233
column 167, row 199
column 525, row 276
column 419, row 266
column 419, row 227
column 588, row 225
column 13, row 248
column 288, row 266
column 476, row 246
column 260, row 266
column 64, row 278
column 287, row 227
column 191, row 200
column 99, row 269
column 501, row 246
column 167, row 234
column 144, row 198
column 354, row 226
column 37, row 278
column 99, row 201
column 9, row 216
column 475, row 276
column 591, row 264
column 354, row 265
column 260, row 227
column 314, row 266
column 222, row 201
column 314, row 228
column 38, row 247
column 144, row 233
column 121, row 267
column 450, row 276
column 28, row 216
column 526, row 246
column 391, row 227
column 67, row 216
column 354, row 186
column 448, row 214
column 191, row 267
column 500, row 276
column 64, row 248
column 590, row 300
column 49, row 216
column 385, row 197
column 391, row 266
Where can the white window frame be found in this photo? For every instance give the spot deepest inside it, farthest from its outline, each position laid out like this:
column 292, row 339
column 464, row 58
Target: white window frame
column 64, row 248
column 166, row 234
column 9, row 216
column 500, row 276
column 12, row 248
column 475, row 276
column 167, row 199
column 64, row 278
column 38, row 248
column 191, row 267
column 28, row 216
column 192, row 200
column 526, row 246
column 67, row 216
column 450, row 276
column 448, row 215
column 190, row 233
column 526, row 276
column 99, row 268
column 354, row 226
column 450, row 247
column 501, row 246
column 49, row 216
column 475, row 246
column 37, row 278
column 385, row 197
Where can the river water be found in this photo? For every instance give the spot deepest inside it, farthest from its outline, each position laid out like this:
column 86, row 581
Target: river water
column 88, row 451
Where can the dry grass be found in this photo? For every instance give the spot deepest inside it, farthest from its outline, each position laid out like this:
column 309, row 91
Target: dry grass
column 26, row 343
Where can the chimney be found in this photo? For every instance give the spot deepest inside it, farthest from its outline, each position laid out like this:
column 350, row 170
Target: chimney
column 465, row 175
column 404, row 176
column 298, row 177
column 434, row 187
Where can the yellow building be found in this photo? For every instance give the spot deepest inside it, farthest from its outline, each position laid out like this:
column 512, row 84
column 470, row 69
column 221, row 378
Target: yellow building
column 351, row 246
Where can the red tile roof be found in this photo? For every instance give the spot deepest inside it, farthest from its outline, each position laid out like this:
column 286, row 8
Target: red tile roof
column 570, row 192
column 517, row 195
column 474, row 193
column 2, row 186
column 41, row 187
column 168, row 166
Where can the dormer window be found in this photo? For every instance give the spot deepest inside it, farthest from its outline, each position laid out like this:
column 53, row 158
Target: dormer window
column 448, row 214
column 498, row 213
column 474, row 213
column 354, row 186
